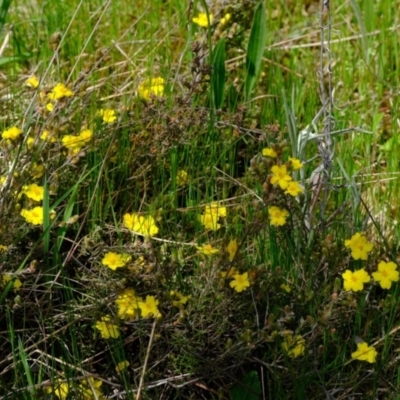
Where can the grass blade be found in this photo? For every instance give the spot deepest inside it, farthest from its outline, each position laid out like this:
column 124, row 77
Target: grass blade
column 255, row 49
column 219, row 74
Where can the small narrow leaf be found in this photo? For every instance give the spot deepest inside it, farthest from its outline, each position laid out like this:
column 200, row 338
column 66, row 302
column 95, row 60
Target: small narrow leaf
column 255, row 49
column 219, row 74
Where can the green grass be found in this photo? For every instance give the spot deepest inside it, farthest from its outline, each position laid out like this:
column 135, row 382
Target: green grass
column 229, row 92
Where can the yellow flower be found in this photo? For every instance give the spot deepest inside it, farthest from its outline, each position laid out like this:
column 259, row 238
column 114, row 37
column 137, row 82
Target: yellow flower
column 182, row 178
column 30, row 142
column 280, row 176
column 209, row 221
column 294, row 346
column 3, row 248
column 11, row 133
column 145, row 226
column 121, row 366
column 240, row 282
column 72, row 142
column 115, row 260
column 32, row 82
column 355, row 280
column 231, row 249
column 225, row 19
column 33, row 191
column 386, row 274
column 182, row 300
column 34, row 216
column 295, row 163
column 286, row 288
column 149, row 308
column 16, row 285
column 359, row 246
column 207, row 250
column 108, row 115
column 269, row 152
column 215, row 208
column 86, row 136
column 230, row 273
column 202, row 20
column 127, row 303
column 277, row 216
column 59, row 91
column 49, row 107
column 60, row 389
column 37, row 171
column 151, row 87
column 106, row 328
column 46, row 135
column 294, row 189
column 364, row 353
column 89, row 389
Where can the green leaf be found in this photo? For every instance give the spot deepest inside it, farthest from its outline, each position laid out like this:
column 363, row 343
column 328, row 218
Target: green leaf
column 248, row 389
column 219, row 74
column 4, row 6
column 390, row 144
column 255, row 49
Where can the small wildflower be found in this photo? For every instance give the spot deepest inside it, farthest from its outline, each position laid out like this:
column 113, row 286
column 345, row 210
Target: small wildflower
column 202, row 20
column 108, row 115
column 269, row 152
column 107, row 328
column 3, row 248
column 240, row 282
column 285, row 287
column 359, row 246
column 86, row 135
column 32, row 82
column 231, row 249
column 30, row 141
column 280, row 176
column 114, row 260
column 37, row 170
column 182, row 300
column 49, row 107
column 215, row 208
column 225, row 19
column 46, row 135
column 294, row 189
column 182, row 178
column 121, row 366
column 209, row 221
column 33, row 191
column 355, row 280
column 229, row 274
column 34, row 216
column 294, row 346
column 386, row 274
column 149, row 308
column 127, row 303
column 145, row 226
column 151, row 87
column 277, row 216
column 207, row 250
column 11, row 133
column 60, row 389
column 59, row 91
column 16, row 285
column 364, row 353
column 295, row 163
column 89, row 389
